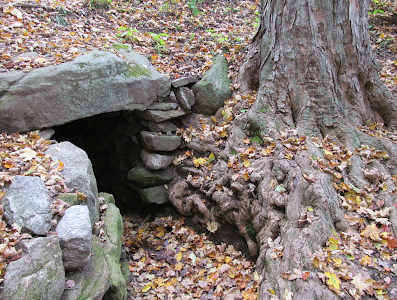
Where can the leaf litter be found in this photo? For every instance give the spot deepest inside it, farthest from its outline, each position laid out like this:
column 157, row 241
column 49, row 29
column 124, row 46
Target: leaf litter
column 168, row 260
column 352, row 264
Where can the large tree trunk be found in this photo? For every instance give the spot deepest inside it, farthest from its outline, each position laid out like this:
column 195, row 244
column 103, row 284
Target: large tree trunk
column 314, row 70
column 317, row 82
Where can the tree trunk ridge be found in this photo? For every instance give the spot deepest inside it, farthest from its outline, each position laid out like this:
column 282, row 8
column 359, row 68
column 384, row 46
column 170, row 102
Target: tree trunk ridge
column 321, row 166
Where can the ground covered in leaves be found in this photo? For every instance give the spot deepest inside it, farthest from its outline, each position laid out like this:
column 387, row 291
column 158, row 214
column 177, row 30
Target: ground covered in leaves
column 180, row 37
column 169, row 260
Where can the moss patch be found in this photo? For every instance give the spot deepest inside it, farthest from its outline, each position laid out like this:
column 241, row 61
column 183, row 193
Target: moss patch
column 136, row 71
column 120, row 47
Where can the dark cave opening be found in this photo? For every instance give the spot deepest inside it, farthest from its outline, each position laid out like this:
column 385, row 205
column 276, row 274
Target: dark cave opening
column 111, row 141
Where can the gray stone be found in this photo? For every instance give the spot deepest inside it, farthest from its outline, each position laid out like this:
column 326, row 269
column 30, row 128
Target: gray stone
column 71, row 198
column 91, row 84
column 176, row 83
column 213, row 89
column 91, row 282
column 159, row 142
column 109, row 199
column 113, row 229
column 185, row 97
column 156, row 195
column 165, row 126
column 74, row 231
column 47, row 133
column 7, row 81
column 160, row 116
column 28, row 204
column 149, row 178
column 38, row 274
column 163, row 106
column 156, row 161
column 172, row 97
column 78, row 173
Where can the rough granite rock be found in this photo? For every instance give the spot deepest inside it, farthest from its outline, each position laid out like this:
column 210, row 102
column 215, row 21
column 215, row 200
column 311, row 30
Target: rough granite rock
column 28, row 204
column 160, row 115
column 78, row 173
column 159, row 142
column 163, row 106
column 156, row 195
column 91, row 282
column 213, row 89
column 74, row 231
column 148, row 178
column 185, row 97
column 156, row 161
column 38, row 274
column 91, row 84
column 176, row 83
column 108, row 198
column 113, row 229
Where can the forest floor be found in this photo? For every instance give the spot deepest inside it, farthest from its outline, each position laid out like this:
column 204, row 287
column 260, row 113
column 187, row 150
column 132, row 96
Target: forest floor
column 180, row 37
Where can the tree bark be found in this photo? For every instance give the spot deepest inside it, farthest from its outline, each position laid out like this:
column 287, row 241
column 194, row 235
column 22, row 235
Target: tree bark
column 317, row 81
column 318, row 76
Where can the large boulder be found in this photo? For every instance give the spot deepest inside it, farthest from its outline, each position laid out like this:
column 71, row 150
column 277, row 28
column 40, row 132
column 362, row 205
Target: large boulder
column 78, row 173
column 91, row 84
column 38, row 274
column 74, row 231
column 213, row 89
column 91, row 282
column 28, row 204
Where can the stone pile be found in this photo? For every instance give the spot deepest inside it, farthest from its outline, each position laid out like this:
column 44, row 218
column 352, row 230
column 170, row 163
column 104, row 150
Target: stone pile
column 129, row 113
column 68, row 250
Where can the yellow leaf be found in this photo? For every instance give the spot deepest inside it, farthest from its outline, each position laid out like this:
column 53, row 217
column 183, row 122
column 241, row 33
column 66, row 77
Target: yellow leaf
column 366, row 260
column 328, row 154
column 271, row 291
column 246, row 163
column 199, row 161
column 372, row 232
column 179, row 256
column 337, row 261
column 333, row 280
column 333, row 244
column 211, row 157
column 310, row 208
column 147, row 287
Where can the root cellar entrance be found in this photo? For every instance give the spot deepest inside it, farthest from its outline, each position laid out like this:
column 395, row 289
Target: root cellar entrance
column 112, row 142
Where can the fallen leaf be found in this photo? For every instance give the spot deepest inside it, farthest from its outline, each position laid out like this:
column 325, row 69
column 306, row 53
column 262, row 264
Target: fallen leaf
column 372, row 232
column 333, row 280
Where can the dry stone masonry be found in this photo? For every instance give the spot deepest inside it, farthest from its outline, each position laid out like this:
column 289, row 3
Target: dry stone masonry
column 129, row 113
